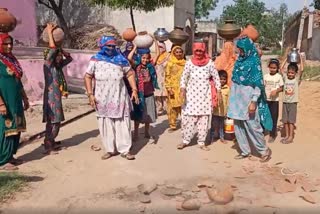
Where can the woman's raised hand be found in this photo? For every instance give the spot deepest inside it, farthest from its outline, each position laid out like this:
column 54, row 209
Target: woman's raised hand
column 50, row 27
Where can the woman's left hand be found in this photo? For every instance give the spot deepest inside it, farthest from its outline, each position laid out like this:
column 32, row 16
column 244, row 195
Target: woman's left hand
column 134, row 97
column 26, row 104
column 252, row 108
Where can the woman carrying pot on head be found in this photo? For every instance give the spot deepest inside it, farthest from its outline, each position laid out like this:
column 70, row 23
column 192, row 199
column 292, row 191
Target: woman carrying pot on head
column 173, row 75
column 247, row 104
column 110, row 98
column 13, row 101
column 55, row 87
column 146, row 77
column 160, row 66
column 196, row 92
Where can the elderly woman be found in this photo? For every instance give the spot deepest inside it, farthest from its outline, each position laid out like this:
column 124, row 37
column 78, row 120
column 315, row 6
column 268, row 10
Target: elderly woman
column 110, row 98
column 160, row 66
column 247, row 105
column 13, row 101
column 196, row 91
column 173, row 75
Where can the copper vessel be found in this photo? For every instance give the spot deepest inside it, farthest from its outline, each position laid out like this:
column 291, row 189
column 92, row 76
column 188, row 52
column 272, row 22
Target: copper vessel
column 229, row 30
column 7, row 21
column 178, row 36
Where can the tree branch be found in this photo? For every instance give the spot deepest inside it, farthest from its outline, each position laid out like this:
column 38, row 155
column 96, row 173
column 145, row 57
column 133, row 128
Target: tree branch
column 60, row 4
column 45, row 4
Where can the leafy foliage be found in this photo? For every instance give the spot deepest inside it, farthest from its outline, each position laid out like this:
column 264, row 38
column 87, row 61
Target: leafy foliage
column 141, row 5
column 203, row 8
column 316, row 4
column 268, row 22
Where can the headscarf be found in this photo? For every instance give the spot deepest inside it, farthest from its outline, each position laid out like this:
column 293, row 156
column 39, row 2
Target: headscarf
column 248, row 72
column 163, row 55
column 199, row 59
column 9, row 59
column 115, row 57
column 127, row 51
column 142, row 51
column 226, row 60
column 174, row 60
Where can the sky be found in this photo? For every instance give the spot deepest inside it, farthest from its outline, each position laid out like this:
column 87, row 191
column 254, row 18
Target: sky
column 293, row 5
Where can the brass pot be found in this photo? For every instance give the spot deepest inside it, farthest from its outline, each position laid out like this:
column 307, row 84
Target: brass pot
column 229, row 30
column 7, row 21
column 178, row 36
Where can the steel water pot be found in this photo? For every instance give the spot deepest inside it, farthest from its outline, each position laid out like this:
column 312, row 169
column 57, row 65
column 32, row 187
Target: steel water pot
column 294, row 56
column 161, row 34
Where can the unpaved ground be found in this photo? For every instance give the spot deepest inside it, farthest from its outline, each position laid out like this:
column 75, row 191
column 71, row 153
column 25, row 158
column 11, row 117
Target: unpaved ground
column 78, row 181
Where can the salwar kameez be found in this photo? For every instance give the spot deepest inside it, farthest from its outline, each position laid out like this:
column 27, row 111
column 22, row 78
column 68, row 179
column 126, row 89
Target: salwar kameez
column 55, row 87
column 173, row 75
column 113, row 105
column 198, row 104
column 248, row 128
column 13, row 123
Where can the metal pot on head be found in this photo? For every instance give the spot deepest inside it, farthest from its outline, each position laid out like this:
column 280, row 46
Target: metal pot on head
column 293, row 56
column 161, row 34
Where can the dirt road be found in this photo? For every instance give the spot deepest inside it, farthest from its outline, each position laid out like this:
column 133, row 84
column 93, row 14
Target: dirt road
column 77, row 180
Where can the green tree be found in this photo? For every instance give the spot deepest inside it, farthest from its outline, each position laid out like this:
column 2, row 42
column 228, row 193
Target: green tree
column 57, row 6
column 140, row 5
column 203, row 8
column 269, row 23
column 316, row 4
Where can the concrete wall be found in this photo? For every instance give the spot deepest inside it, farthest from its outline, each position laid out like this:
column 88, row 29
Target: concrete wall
column 24, row 10
column 310, row 36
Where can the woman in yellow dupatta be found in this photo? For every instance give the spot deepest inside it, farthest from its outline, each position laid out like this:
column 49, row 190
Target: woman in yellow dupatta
column 161, row 63
column 173, row 75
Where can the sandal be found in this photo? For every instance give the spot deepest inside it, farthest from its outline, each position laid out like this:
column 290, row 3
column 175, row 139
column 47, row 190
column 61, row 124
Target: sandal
column 16, row 161
column 181, row 146
column 9, row 167
column 204, row 148
column 171, row 130
column 287, row 141
column 95, row 148
column 240, row 157
column 266, row 157
column 128, row 156
column 106, row 156
column 283, row 140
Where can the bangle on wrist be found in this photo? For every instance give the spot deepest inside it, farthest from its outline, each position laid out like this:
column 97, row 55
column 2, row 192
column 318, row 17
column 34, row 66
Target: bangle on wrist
column 134, row 89
column 89, row 94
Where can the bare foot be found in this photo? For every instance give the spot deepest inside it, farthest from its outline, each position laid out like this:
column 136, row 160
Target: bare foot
column 9, row 167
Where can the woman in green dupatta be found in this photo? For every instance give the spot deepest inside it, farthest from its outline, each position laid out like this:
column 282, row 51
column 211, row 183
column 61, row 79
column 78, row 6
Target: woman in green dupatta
column 13, row 101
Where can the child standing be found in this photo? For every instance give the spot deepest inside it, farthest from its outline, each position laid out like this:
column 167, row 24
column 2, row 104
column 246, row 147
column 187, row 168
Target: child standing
column 290, row 100
column 146, row 78
column 273, row 82
column 220, row 112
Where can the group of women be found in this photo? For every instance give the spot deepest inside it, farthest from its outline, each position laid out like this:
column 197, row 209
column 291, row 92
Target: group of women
column 125, row 86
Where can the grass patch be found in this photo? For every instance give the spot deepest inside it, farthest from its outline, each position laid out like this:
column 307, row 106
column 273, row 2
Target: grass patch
column 310, row 72
column 10, row 182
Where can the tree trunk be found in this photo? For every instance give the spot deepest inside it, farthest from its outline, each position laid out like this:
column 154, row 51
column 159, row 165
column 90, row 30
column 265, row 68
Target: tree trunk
column 132, row 19
column 62, row 22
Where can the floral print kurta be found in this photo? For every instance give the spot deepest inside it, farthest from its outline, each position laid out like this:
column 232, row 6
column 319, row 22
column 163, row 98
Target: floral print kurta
column 195, row 79
column 52, row 101
column 110, row 91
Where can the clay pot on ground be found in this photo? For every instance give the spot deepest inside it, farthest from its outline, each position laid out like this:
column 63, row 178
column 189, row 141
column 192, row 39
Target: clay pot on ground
column 58, row 35
column 7, row 21
column 229, row 30
column 129, row 35
column 251, row 32
column 223, row 196
column 143, row 40
column 178, row 36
